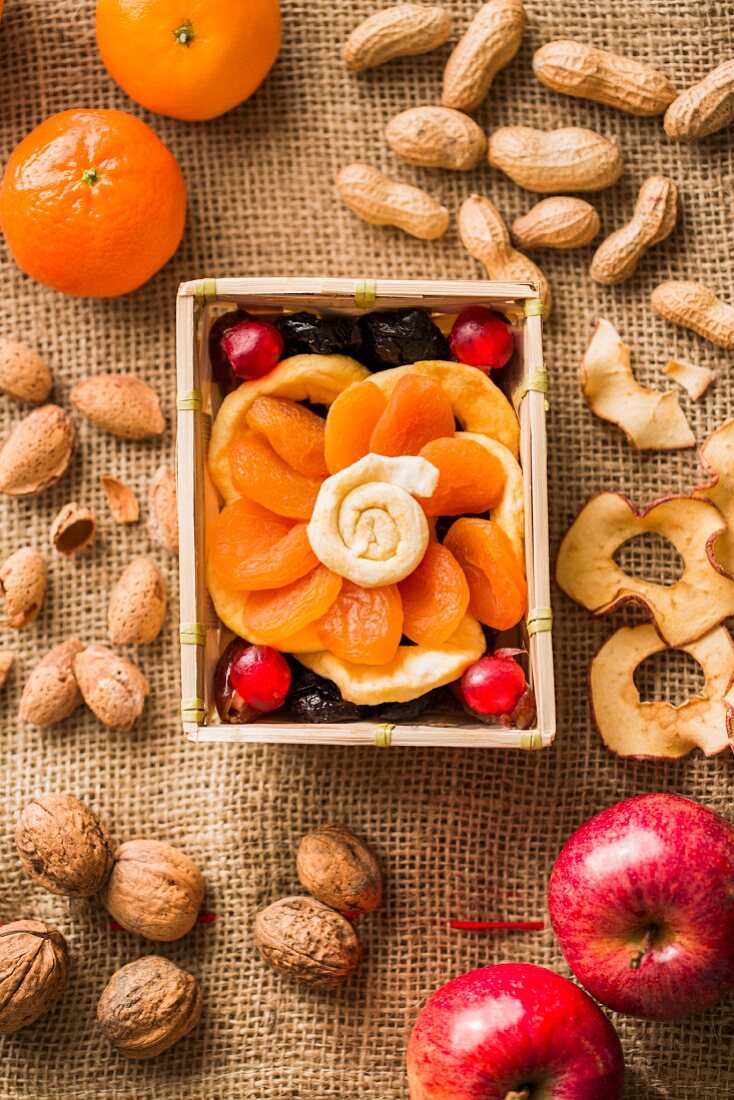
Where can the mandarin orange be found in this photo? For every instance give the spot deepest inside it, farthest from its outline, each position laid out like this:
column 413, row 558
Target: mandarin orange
column 92, row 203
column 189, row 59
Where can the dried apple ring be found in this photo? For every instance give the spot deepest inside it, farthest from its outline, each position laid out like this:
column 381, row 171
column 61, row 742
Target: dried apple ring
column 412, row 672
column 315, row 378
column 587, row 572
column 717, row 458
column 478, row 405
column 657, row 729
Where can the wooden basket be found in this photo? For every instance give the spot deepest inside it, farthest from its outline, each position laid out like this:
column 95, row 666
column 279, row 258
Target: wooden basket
column 198, row 501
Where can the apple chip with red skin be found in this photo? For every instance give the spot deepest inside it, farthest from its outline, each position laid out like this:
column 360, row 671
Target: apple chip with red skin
column 652, row 421
column 657, row 729
column 586, row 571
column 717, row 458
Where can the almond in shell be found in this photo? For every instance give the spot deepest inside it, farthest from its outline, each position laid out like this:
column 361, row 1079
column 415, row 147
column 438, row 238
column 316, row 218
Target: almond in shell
column 113, row 688
column 37, row 452
column 23, row 373
column 163, row 509
column 22, row 587
column 51, row 692
column 121, row 404
column 73, row 529
column 137, row 605
column 7, row 660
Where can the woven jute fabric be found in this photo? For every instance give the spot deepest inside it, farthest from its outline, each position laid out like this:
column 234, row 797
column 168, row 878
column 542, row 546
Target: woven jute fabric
column 461, row 833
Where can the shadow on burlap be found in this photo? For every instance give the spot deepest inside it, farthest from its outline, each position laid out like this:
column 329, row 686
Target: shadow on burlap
column 462, row 834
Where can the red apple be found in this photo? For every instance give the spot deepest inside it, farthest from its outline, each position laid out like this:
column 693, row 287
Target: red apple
column 642, row 900
column 513, row 1032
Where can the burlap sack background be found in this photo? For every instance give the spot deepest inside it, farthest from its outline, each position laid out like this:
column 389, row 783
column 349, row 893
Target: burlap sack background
column 461, row 833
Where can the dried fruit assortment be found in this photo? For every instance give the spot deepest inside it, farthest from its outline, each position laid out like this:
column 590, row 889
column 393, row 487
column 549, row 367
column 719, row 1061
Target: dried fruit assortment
column 372, row 530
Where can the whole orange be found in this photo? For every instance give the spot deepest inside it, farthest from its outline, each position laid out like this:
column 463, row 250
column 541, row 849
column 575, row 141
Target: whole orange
column 92, row 203
column 191, row 59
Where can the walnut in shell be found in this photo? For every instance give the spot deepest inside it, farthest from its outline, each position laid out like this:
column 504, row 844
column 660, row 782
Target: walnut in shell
column 137, row 605
column 121, row 404
column 63, row 846
column 339, row 869
column 37, row 452
column 73, row 529
column 51, row 692
column 113, row 688
column 147, row 1006
column 154, row 890
column 23, row 373
column 163, row 509
column 22, row 587
column 307, row 941
column 34, row 971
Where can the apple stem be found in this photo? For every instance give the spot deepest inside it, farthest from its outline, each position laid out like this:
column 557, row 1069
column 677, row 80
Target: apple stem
column 524, row 1095
column 647, row 945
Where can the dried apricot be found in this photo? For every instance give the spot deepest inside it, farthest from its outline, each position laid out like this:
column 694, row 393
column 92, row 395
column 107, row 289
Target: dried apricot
column 435, row 597
column 261, row 475
column 363, row 625
column 294, row 433
column 471, row 478
column 417, row 411
column 497, row 587
column 350, row 423
column 278, row 612
column 251, row 547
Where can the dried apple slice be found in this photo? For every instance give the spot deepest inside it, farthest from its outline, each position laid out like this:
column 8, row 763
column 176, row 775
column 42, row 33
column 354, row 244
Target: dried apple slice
column 657, row 729
column 650, row 420
column 717, row 459
column 694, row 380
column 587, row 572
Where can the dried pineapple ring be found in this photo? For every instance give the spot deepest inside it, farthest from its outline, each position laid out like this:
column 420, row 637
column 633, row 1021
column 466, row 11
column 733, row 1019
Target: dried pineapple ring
column 509, row 513
column 477, row 403
column 316, row 378
column 412, row 672
column 656, row 729
column 366, row 524
column 230, row 608
column 699, row 600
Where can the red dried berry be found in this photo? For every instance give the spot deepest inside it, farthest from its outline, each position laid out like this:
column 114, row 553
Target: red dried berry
column 253, row 348
column 481, row 338
column 261, row 677
column 493, row 685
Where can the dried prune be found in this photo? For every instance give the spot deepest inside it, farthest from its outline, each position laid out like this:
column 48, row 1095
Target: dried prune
column 312, row 698
column 221, row 366
column 305, row 332
column 392, row 338
column 231, row 707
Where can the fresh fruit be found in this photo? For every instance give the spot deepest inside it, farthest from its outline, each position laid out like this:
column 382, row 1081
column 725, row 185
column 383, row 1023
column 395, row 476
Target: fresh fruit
column 315, row 699
column 363, row 625
column 188, row 59
column 499, row 592
column 105, row 190
column 417, row 412
column 252, row 347
column 276, row 613
column 481, row 338
column 350, row 423
column 261, row 677
column 251, row 547
column 329, row 335
column 435, row 597
column 392, row 338
column 294, row 433
column 493, row 685
column 642, row 904
column 261, row 475
column 471, row 478
column 513, row 1032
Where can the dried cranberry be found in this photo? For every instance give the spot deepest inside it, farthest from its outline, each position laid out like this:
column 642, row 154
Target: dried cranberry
column 225, row 377
column 493, row 685
column 481, row 338
column 253, row 347
column 261, row 676
column 231, row 707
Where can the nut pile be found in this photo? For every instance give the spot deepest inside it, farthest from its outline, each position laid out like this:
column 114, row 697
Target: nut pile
column 33, row 457
column 150, row 888
column 309, row 939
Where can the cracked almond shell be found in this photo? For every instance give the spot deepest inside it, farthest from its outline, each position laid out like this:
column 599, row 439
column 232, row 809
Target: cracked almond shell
column 154, row 890
column 113, row 688
column 656, row 729
column 163, row 509
column 137, row 606
column 121, row 404
column 73, row 529
column 63, row 846
column 147, row 1006
column 51, row 692
column 37, row 452
column 34, row 971
column 23, row 373
column 121, row 500
column 22, row 587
